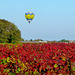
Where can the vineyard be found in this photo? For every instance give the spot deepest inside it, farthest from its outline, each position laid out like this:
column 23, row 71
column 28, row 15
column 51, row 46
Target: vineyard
column 37, row 59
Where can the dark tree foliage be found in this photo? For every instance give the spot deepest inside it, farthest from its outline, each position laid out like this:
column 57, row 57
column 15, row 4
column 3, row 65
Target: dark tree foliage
column 63, row 40
column 38, row 40
column 9, row 33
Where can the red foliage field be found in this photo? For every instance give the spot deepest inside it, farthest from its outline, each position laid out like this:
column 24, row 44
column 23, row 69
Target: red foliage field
column 37, row 59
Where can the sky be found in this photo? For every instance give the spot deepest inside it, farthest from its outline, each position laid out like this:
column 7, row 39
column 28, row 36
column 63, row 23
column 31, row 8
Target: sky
column 54, row 19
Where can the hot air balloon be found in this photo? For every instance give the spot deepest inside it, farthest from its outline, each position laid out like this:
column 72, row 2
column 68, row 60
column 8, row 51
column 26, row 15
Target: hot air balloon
column 29, row 16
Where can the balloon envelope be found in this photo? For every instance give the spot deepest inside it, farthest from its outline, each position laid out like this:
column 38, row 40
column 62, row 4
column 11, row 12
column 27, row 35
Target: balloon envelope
column 29, row 16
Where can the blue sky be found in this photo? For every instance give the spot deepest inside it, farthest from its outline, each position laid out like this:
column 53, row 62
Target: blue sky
column 54, row 19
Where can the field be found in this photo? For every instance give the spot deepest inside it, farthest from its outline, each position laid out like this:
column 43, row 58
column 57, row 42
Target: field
column 37, row 59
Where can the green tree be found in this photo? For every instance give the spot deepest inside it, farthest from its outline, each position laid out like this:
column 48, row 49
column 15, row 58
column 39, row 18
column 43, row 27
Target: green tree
column 9, row 33
column 38, row 40
column 63, row 40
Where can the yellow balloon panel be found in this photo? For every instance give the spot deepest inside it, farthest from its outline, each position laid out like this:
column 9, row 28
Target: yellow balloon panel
column 25, row 16
column 28, row 16
column 32, row 16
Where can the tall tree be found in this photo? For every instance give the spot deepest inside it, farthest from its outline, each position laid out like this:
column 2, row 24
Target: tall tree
column 9, row 33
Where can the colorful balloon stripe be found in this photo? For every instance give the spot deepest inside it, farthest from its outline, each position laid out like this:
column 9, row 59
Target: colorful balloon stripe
column 29, row 16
